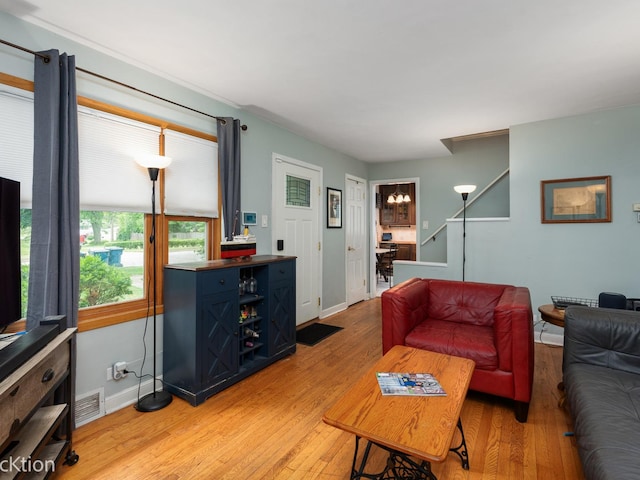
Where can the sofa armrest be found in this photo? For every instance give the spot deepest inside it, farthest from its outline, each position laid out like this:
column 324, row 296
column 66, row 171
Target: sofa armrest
column 513, row 327
column 403, row 307
column 602, row 336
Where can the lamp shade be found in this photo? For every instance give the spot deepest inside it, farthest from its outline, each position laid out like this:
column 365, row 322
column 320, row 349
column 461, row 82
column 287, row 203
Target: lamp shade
column 391, row 199
column 153, row 161
column 464, row 188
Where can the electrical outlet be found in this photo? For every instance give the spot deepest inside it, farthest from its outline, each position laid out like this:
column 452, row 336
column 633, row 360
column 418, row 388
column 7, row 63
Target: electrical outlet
column 110, row 373
column 118, row 370
column 265, row 221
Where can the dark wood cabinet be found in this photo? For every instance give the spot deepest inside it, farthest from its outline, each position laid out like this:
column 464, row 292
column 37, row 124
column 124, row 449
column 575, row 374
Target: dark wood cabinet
column 398, row 213
column 225, row 320
column 405, row 251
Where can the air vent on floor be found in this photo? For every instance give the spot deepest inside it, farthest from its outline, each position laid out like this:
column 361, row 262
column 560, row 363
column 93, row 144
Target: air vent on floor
column 90, row 407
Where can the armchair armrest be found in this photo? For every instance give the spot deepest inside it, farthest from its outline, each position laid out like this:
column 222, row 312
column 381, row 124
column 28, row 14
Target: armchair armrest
column 403, row 307
column 513, row 327
column 602, row 336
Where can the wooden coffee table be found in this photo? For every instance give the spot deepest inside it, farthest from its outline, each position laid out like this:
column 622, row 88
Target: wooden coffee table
column 414, row 430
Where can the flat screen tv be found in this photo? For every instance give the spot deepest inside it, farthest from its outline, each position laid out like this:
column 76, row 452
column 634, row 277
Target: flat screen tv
column 10, row 275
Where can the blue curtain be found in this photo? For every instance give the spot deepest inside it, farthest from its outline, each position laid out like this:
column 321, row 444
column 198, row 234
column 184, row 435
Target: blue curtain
column 229, row 164
column 54, row 272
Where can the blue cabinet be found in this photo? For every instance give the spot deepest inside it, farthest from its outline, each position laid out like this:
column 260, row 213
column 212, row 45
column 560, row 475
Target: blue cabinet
column 225, row 320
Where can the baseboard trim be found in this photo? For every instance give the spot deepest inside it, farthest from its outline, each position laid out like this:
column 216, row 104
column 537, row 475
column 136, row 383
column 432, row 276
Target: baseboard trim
column 333, row 310
column 549, row 338
column 126, row 397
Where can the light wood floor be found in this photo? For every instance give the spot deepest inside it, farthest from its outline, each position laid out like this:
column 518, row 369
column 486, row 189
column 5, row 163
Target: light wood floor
column 269, row 426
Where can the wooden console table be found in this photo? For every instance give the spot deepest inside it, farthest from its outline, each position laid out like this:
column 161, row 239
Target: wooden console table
column 36, row 408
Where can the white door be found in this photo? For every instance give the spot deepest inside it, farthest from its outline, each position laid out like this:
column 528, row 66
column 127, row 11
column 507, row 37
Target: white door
column 296, row 219
column 356, row 239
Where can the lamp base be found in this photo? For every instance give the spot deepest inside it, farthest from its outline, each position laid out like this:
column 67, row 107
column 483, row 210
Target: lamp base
column 154, row 401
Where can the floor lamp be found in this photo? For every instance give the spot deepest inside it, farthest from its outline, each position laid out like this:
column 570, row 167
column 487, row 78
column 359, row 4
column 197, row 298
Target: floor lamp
column 465, row 190
column 155, row 400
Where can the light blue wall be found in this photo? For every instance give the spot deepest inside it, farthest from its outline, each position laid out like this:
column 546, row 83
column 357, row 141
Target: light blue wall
column 576, row 260
column 98, row 349
column 477, row 162
column 573, row 260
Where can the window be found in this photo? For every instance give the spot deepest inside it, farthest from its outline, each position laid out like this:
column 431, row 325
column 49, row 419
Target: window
column 115, row 198
column 188, row 240
column 298, row 192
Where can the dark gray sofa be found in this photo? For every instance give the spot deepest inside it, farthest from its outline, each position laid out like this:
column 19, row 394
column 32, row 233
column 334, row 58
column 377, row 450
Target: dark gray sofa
column 601, row 374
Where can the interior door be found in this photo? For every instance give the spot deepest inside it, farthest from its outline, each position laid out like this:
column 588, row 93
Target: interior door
column 356, row 239
column 296, row 220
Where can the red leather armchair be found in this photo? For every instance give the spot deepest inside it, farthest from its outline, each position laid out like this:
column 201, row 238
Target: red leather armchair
column 489, row 323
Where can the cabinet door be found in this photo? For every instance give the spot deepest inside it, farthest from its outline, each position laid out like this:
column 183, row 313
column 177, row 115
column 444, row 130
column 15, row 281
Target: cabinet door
column 403, row 252
column 387, row 210
column 219, row 353
column 282, row 317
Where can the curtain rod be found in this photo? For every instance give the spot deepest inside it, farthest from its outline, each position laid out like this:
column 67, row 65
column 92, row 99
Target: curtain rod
column 102, row 77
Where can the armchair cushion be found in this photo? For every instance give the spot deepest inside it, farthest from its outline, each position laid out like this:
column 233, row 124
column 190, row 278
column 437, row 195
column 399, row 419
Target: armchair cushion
column 459, row 339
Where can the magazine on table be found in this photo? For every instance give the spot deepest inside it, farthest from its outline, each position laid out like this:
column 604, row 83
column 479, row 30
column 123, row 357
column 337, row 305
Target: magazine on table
column 409, row 384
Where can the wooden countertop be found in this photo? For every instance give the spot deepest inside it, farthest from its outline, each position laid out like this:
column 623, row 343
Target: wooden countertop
column 229, row 262
column 398, row 242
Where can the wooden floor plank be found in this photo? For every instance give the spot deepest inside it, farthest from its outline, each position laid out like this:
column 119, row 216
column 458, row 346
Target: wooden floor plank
column 269, row 426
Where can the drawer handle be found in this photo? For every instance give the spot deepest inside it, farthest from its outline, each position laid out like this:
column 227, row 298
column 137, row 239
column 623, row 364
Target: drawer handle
column 281, row 271
column 222, row 281
column 48, row 375
column 14, row 391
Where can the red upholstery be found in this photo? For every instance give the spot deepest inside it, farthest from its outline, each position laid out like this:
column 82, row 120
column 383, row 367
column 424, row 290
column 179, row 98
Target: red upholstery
column 489, row 323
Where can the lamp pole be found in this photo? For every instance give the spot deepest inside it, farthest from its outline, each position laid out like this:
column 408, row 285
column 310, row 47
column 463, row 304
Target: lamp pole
column 155, row 400
column 464, row 190
column 465, row 195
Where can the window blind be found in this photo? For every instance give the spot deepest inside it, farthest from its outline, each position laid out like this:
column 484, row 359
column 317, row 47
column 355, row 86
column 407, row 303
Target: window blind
column 191, row 181
column 110, row 178
column 16, row 139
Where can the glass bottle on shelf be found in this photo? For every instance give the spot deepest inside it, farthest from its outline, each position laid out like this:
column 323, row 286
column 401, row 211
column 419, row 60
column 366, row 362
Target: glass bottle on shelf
column 241, row 286
column 252, row 284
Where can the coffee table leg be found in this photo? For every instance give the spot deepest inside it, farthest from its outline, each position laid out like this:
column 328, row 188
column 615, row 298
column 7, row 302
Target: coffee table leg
column 461, row 450
column 360, row 472
column 399, row 465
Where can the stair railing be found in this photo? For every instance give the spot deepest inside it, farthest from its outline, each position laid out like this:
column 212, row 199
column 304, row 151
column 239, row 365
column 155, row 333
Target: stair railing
column 469, row 203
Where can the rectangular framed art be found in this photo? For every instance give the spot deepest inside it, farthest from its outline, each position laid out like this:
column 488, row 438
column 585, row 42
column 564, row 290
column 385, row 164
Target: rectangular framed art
column 576, row 200
column 334, row 208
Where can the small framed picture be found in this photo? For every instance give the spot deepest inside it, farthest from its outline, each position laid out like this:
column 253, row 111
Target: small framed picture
column 334, row 208
column 576, row 200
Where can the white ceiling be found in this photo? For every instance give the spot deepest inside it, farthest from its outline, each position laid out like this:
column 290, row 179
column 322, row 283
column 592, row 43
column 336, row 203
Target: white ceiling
column 379, row 80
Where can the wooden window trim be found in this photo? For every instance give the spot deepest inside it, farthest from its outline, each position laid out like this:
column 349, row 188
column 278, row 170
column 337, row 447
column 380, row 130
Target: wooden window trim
column 99, row 316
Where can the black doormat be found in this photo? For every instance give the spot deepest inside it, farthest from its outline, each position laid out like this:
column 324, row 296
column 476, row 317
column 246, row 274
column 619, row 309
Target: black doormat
column 315, row 333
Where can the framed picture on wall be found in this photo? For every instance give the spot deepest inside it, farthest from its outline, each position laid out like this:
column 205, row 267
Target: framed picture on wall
column 334, row 208
column 576, row 200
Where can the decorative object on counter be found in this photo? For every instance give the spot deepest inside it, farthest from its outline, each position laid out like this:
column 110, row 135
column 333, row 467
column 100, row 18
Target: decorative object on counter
column 464, row 190
column 157, row 399
column 576, row 200
column 334, row 208
column 242, row 246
